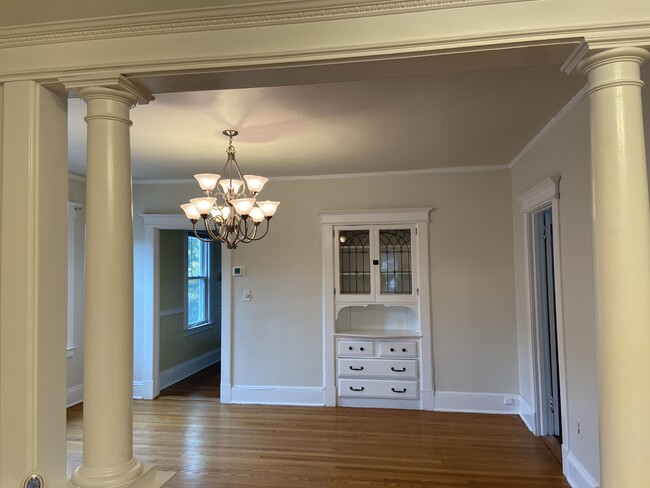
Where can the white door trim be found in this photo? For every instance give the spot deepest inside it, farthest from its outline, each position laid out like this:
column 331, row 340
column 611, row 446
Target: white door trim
column 544, row 194
column 153, row 224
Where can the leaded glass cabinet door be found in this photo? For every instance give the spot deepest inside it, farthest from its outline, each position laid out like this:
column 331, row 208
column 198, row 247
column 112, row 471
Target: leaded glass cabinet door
column 354, row 264
column 396, row 281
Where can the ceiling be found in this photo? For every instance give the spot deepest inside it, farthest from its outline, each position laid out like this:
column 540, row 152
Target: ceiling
column 394, row 121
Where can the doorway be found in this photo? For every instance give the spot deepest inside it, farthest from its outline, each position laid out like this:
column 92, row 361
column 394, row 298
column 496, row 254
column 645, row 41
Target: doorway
column 546, row 313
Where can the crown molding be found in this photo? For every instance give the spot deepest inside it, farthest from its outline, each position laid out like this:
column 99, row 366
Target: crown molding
column 283, row 12
column 428, row 171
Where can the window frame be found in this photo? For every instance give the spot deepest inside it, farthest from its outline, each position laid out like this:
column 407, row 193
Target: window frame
column 208, row 323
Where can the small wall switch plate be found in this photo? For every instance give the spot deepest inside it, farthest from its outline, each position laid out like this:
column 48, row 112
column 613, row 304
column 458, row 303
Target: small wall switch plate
column 238, row 271
column 247, row 295
column 579, row 428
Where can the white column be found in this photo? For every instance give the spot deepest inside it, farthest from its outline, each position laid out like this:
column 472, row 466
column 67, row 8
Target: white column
column 108, row 336
column 621, row 240
column 33, row 229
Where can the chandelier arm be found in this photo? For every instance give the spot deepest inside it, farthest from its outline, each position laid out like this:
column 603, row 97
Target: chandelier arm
column 249, row 232
column 207, row 229
column 266, row 230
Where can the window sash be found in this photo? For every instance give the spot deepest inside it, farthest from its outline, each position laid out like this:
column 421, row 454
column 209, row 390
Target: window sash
column 197, row 283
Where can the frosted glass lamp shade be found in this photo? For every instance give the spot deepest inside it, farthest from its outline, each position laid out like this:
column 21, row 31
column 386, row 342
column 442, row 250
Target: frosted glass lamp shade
column 268, row 207
column 243, row 206
column 207, row 181
column 204, row 205
column 190, row 211
column 256, row 214
column 255, row 183
column 231, row 185
column 225, row 212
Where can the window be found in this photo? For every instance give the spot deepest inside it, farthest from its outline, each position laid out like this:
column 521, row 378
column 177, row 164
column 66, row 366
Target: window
column 197, row 283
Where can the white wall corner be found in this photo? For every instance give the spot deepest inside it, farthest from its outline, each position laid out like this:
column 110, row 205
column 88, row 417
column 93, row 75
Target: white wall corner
column 454, row 401
column 527, row 414
column 74, row 395
column 188, row 368
column 279, row 395
column 577, row 475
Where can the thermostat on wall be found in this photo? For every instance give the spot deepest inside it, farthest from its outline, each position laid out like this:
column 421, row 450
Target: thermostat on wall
column 238, row 271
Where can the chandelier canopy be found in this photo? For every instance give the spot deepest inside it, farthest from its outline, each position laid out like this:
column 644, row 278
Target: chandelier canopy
column 230, row 210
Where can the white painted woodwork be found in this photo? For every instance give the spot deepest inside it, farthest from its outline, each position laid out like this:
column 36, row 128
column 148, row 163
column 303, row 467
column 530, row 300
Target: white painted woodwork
column 366, row 388
column 621, row 240
column 108, row 337
column 33, row 229
column 544, row 194
column 405, row 368
column 371, row 338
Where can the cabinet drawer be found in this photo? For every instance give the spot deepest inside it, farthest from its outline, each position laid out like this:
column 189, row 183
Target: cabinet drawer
column 391, row 368
column 356, row 348
column 398, row 349
column 378, row 388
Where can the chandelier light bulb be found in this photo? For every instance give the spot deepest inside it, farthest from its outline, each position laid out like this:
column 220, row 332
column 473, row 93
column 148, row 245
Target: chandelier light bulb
column 268, row 207
column 243, row 206
column 190, row 211
column 257, row 215
column 255, row 183
column 204, row 205
column 207, row 181
column 231, row 185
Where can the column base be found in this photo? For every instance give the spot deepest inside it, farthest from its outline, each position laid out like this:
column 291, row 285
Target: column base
column 115, row 477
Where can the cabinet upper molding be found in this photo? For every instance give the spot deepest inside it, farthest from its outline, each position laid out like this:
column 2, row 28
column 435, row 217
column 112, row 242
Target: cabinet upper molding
column 290, row 11
column 375, row 216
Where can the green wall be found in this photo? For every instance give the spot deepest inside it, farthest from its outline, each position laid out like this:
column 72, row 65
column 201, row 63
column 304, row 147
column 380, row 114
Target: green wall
column 175, row 347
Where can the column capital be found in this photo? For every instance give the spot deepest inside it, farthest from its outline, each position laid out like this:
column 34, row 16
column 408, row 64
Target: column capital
column 615, row 67
column 109, row 84
column 588, row 55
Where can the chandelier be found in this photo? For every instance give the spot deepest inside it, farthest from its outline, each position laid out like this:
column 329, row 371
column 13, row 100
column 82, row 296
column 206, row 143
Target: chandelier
column 229, row 210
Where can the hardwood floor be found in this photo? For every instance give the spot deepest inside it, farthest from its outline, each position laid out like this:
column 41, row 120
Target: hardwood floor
column 241, row 446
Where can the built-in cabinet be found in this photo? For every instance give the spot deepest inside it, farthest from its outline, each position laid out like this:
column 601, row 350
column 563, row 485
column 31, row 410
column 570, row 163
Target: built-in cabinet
column 376, row 317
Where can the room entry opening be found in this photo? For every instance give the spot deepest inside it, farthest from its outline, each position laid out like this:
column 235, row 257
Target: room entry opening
column 547, row 337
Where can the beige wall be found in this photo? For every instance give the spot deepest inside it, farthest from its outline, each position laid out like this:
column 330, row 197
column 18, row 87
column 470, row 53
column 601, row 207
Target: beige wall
column 565, row 152
column 278, row 335
column 175, row 347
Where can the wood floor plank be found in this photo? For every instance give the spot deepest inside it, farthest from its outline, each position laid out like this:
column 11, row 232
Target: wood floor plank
column 248, row 446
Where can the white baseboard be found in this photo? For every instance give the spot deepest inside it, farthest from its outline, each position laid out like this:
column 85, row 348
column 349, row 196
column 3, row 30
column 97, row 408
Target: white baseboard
column 188, row 368
column 225, row 393
column 74, row 395
column 138, row 390
column 527, row 414
column 453, row 401
column 577, row 475
column 278, row 395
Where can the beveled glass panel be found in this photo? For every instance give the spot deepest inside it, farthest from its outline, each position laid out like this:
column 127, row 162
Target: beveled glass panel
column 395, row 262
column 354, row 262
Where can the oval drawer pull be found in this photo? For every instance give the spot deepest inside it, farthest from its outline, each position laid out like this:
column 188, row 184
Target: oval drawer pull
column 352, row 368
column 359, row 389
column 392, row 368
column 403, row 390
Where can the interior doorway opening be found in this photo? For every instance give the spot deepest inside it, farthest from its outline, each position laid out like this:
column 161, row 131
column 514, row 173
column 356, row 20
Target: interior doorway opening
column 546, row 314
column 189, row 308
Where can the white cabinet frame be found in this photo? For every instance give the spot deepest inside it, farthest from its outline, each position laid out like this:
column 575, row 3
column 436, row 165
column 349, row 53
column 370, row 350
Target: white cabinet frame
column 417, row 217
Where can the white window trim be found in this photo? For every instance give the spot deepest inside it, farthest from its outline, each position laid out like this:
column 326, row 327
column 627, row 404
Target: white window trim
column 209, row 323
column 72, row 217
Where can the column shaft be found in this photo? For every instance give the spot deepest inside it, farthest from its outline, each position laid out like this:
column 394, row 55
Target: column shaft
column 621, row 240
column 108, row 337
